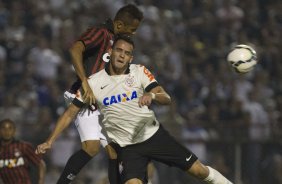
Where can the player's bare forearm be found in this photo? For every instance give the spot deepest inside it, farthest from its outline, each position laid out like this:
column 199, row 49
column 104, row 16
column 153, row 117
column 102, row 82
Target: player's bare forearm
column 76, row 52
column 61, row 124
column 160, row 96
column 41, row 173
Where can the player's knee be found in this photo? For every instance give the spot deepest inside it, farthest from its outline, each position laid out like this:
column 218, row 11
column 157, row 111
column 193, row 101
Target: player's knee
column 134, row 181
column 111, row 152
column 91, row 147
column 199, row 170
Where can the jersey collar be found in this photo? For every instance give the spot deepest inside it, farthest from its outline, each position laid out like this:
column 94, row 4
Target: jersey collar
column 12, row 141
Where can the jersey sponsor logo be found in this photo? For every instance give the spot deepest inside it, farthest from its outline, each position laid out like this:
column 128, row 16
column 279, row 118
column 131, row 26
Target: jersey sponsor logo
column 11, row 163
column 123, row 97
column 148, row 74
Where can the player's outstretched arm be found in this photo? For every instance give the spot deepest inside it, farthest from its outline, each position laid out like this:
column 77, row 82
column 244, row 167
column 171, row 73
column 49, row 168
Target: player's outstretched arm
column 76, row 52
column 157, row 94
column 63, row 122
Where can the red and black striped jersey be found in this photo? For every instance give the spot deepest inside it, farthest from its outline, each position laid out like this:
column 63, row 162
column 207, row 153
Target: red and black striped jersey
column 97, row 41
column 15, row 159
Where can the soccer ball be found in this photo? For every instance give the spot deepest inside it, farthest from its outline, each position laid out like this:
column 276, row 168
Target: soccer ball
column 242, row 58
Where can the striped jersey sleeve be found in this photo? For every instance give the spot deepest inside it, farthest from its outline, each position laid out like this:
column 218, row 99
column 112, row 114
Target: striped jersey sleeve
column 93, row 37
column 97, row 41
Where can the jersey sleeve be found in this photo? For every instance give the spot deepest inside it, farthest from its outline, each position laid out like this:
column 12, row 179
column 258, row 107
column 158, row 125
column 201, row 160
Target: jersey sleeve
column 148, row 80
column 30, row 154
column 93, row 37
column 78, row 101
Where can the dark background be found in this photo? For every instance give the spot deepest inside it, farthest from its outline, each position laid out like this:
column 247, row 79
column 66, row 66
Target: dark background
column 231, row 121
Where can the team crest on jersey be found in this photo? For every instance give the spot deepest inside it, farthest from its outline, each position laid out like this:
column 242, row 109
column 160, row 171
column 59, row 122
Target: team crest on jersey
column 129, row 81
column 17, row 153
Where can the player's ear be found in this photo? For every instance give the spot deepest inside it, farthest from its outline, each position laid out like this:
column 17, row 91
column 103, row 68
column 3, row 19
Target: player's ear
column 110, row 50
column 119, row 25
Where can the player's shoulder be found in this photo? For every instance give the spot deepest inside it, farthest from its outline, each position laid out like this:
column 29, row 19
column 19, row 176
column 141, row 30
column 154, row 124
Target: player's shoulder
column 140, row 69
column 23, row 143
column 98, row 30
column 97, row 75
column 136, row 67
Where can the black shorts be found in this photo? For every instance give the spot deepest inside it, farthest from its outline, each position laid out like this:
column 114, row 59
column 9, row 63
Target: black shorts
column 162, row 147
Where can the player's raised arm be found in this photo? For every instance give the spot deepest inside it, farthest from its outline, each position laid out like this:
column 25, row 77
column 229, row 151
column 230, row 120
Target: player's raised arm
column 62, row 123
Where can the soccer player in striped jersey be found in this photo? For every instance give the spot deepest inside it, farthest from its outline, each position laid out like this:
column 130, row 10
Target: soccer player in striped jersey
column 16, row 157
column 124, row 93
column 89, row 55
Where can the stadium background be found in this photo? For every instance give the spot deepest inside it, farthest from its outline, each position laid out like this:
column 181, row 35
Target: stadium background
column 232, row 122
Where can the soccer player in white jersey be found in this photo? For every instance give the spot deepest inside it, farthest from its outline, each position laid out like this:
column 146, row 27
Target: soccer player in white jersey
column 124, row 93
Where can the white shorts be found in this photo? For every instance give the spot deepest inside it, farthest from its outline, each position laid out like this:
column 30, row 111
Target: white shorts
column 87, row 123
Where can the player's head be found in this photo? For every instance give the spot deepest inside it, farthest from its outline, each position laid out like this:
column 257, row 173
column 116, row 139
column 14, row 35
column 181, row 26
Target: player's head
column 127, row 19
column 7, row 129
column 121, row 53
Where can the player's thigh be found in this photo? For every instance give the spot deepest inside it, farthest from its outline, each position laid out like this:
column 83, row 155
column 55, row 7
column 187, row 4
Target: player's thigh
column 164, row 148
column 92, row 147
column 134, row 181
column 111, row 150
column 132, row 164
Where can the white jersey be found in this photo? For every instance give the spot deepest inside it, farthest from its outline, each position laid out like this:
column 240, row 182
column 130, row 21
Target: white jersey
column 117, row 97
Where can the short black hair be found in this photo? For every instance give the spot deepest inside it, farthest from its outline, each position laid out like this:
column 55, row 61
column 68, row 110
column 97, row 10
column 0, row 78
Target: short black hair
column 128, row 13
column 8, row 121
column 125, row 37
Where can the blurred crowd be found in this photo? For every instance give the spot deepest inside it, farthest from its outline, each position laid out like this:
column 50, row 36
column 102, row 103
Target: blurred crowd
column 231, row 121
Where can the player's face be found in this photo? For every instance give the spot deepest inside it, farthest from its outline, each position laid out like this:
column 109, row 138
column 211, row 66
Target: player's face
column 129, row 29
column 121, row 55
column 7, row 131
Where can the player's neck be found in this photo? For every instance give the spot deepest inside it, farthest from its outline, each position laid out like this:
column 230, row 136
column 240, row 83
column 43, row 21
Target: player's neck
column 6, row 142
column 117, row 71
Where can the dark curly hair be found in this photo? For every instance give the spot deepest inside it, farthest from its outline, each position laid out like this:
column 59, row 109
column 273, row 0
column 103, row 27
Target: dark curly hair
column 128, row 13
